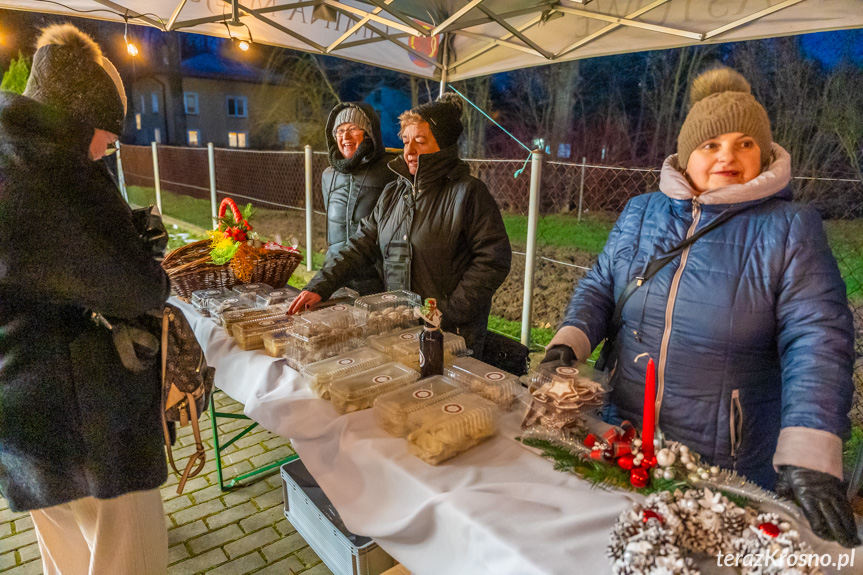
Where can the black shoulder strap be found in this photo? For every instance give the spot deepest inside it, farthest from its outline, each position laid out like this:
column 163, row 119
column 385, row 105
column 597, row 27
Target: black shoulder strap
column 652, row 267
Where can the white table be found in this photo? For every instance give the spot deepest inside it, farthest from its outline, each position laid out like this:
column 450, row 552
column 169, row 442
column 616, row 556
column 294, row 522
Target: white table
column 499, row 508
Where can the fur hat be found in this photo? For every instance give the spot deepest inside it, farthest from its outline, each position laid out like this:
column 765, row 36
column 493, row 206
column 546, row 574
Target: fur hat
column 70, row 73
column 351, row 114
column 721, row 102
column 444, row 118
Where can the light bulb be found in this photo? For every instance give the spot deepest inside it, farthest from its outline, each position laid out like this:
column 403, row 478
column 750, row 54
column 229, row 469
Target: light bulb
column 243, row 45
column 131, row 49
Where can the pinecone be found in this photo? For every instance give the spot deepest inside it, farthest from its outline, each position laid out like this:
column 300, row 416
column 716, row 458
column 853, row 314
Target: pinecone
column 734, row 521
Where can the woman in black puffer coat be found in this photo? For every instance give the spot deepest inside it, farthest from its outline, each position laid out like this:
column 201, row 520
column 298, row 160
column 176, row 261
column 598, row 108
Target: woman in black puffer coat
column 354, row 181
column 435, row 231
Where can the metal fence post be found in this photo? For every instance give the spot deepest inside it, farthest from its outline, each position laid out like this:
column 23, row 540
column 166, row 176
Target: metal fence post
column 214, row 206
column 581, row 186
column 530, row 256
column 309, row 251
column 156, row 177
column 121, row 177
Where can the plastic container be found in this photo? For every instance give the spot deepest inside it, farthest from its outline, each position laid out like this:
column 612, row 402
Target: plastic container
column 201, row 298
column 249, row 334
column 388, row 311
column 392, row 409
column 359, row 391
column 385, row 341
column 255, row 288
column 276, row 342
column 485, row 380
column 219, row 305
column 300, row 351
column 283, row 295
column 318, row 523
column 447, row 428
column 334, row 320
column 232, row 317
column 320, row 374
column 408, row 353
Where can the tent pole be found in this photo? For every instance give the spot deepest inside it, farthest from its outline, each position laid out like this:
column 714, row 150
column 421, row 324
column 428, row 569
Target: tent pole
column 530, row 255
column 443, row 73
column 214, row 201
column 121, row 177
column 156, row 182
column 309, row 251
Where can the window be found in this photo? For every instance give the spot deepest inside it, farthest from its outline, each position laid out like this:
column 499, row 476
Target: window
column 193, row 138
column 155, row 99
column 157, row 136
column 237, row 107
column 237, row 139
column 564, row 150
column 190, row 99
column 137, row 121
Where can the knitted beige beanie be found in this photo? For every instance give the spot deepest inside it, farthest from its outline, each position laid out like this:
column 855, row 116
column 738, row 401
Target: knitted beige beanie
column 721, row 102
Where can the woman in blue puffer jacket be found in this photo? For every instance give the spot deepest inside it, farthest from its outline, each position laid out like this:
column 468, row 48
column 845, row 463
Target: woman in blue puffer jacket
column 749, row 327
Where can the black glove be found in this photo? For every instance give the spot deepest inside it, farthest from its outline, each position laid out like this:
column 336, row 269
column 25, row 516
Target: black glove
column 148, row 223
column 823, row 500
column 560, row 354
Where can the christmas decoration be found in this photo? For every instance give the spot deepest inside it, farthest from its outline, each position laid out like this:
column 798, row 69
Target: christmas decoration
column 656, row 537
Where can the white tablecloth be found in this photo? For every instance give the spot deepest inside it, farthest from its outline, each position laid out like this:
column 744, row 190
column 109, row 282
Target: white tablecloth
column 499, row 508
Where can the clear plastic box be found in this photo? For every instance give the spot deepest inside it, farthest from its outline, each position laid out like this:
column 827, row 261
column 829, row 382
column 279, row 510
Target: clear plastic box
column 388, row 311
column 335, row 320
column 445, row 429
column 320, row 374
column 218, row 305
column 282, row 295
column 201, row 298
column 276, row 342
column 384, row 342
column 485, row 380
column 408, row 353
column 232, row 317
column 392, row 409
column 255, row 288
column 300, row 351
column 249, row 334
column 360, row 390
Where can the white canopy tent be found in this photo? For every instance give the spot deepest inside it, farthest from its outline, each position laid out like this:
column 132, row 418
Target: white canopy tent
column 449, row 40
column 484, row 36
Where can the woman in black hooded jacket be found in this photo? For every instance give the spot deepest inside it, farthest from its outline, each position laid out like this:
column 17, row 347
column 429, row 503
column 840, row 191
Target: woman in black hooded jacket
column 436, row 230
column 354, row 181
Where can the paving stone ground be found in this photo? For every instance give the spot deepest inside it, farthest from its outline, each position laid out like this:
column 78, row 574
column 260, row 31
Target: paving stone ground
column 239, row 532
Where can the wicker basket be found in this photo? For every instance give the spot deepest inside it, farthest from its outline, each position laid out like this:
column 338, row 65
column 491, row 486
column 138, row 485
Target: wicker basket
column 190, row 269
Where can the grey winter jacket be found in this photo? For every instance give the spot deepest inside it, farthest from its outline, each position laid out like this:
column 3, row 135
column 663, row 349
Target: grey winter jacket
column 351, row 192
column 749, row 328
column 439, row 234
column 73, row 421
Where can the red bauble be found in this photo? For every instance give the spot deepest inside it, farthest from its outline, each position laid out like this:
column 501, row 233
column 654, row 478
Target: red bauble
column 769, row 529
column 625, row 461
column 651, row 514
column 590, row 440
column 649, row 461
column 639, row 477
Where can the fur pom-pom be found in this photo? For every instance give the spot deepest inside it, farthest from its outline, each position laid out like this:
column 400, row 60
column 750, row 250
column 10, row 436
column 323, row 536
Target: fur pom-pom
column 717, row 80
column 453, row 99
column 70, row 36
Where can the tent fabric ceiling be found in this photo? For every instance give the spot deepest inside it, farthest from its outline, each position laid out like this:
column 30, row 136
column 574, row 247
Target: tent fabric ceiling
column 485, row 36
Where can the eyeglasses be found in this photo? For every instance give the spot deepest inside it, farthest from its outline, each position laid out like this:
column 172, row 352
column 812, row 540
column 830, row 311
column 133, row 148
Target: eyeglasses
column 353, row 131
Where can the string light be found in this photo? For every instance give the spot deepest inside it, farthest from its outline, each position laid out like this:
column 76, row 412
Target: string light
column 243, row 45
column 130, row 47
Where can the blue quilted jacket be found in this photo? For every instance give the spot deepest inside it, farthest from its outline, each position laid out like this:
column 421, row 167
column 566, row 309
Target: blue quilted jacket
column 749, row 328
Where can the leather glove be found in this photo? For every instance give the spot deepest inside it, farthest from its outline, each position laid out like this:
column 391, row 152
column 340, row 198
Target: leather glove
column 823, row 500
column 148, row 223
column 560, row 354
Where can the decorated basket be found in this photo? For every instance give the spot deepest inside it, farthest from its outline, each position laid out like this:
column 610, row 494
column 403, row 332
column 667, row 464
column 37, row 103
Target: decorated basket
column 192, row 267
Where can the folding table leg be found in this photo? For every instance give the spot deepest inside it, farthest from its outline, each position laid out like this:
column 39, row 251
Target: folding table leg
column 218, row 448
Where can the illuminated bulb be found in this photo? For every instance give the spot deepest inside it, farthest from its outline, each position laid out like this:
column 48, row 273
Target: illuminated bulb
column 131, row 49
column 243, row 45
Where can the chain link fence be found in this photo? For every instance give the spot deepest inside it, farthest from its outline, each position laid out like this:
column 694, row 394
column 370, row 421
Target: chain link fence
column 578, row 204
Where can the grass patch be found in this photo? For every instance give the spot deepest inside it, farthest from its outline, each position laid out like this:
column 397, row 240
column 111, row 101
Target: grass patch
column 563, row 230
column 852, row 447
column 539, row 336
column 846, row 242
column 184, row 208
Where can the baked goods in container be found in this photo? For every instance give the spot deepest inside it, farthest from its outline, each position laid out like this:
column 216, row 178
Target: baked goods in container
column 359, row 391
column 320, row 374
column 392, row 409
column 485, row 380
column 447, row 428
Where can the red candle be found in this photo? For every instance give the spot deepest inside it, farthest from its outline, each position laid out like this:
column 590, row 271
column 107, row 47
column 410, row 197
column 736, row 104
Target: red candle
column 649, row 417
